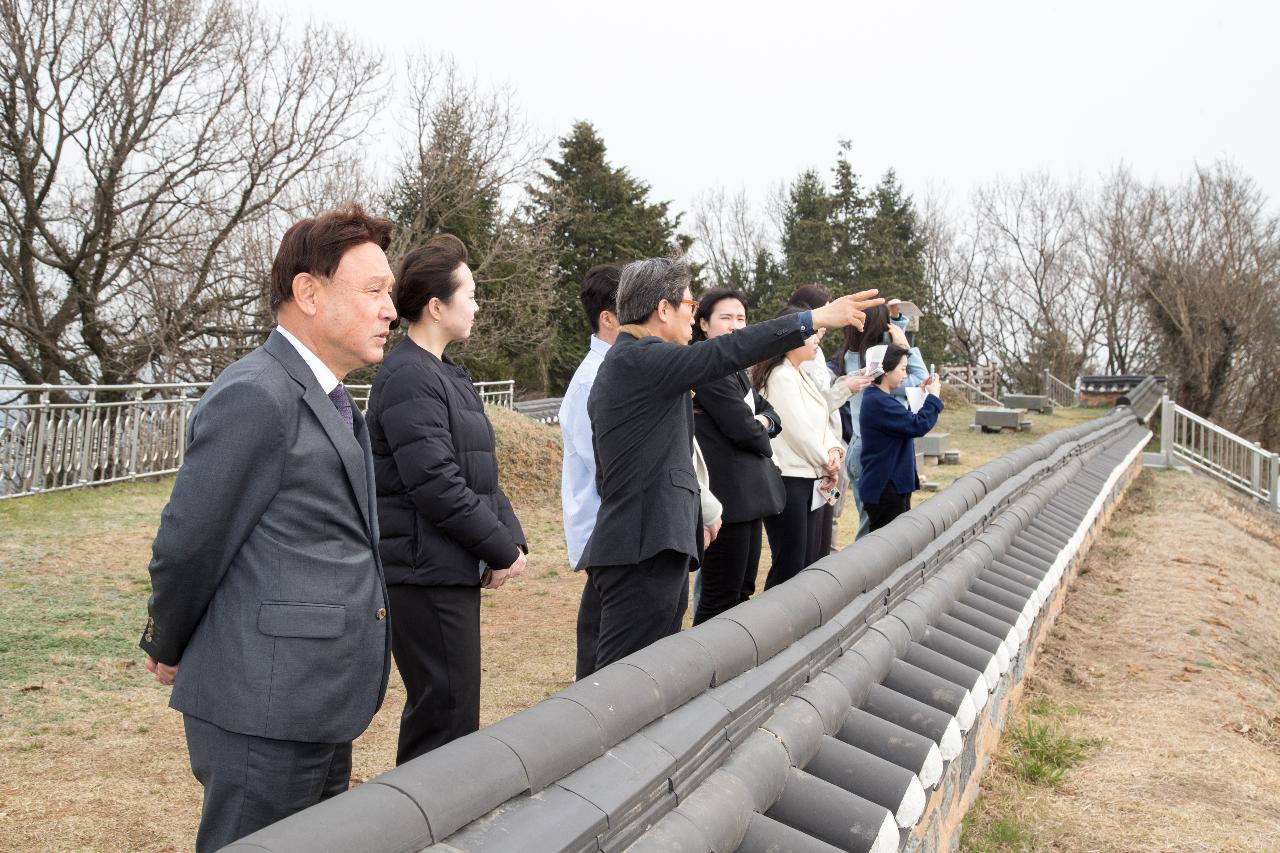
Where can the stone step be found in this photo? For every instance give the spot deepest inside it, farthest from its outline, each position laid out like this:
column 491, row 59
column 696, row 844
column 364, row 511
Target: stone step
column 1037, row 402
column 994, row 419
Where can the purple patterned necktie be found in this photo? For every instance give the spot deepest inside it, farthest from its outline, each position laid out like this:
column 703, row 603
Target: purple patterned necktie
column 343, row 404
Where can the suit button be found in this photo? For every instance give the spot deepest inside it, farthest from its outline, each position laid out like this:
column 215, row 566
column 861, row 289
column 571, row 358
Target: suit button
column 381, row 614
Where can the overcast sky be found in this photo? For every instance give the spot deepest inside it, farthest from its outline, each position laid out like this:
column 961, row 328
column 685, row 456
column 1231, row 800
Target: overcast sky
column 693, row 95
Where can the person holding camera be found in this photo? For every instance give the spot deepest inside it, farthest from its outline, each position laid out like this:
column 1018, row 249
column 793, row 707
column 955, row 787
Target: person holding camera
column 808, row 453
column 888, row 431
column 882, row 326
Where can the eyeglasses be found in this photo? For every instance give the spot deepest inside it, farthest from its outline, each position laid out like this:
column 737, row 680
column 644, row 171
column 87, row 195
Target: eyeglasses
column 692, row 303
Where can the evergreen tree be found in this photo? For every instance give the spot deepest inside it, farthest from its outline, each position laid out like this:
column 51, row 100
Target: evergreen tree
column 848, row 219
column 891, row 259
column 808, row 242
column 597, row 213
column 764, row 285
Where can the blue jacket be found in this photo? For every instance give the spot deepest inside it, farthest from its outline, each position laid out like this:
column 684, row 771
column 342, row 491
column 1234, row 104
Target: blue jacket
column 888, row 442
column 917, row 374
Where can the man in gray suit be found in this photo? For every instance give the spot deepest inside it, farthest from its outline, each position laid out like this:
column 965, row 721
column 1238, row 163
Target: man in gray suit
column 649, row 528
column 268, row 613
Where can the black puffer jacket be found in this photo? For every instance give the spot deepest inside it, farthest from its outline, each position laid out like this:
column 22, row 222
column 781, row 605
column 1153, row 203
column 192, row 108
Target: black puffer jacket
column 442, row 514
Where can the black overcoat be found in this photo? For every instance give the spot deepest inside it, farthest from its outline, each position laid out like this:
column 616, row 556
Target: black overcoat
column 737, row 448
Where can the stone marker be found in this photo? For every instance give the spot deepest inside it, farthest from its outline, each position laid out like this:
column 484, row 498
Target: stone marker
column 993, row 420
column 1036, row 402
column 934, row 444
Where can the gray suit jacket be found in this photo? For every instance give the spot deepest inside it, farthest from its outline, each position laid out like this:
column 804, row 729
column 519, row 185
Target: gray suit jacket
column 267, row 584
column 642, row 429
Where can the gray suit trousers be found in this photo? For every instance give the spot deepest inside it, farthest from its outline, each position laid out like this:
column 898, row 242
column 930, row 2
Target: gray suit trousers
column 252, row 782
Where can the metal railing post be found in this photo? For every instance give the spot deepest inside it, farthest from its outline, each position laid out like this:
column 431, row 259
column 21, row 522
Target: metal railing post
column 1166, row 430
column 86, row 436
column 135, row 412
column 42, row 434
column 184, row 412
column 1255, row 469
column 1275, row 481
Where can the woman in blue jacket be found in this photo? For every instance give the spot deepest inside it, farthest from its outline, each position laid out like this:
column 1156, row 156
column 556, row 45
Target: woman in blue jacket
column 849, row 359
column 889, row 430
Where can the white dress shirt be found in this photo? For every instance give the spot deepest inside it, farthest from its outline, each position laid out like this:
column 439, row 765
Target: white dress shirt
column 579, row 498
column 323, row 374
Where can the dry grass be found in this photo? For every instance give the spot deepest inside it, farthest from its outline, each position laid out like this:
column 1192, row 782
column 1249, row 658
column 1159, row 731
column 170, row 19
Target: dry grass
column 91, row 758
column 1168, row 655
column 977, row 448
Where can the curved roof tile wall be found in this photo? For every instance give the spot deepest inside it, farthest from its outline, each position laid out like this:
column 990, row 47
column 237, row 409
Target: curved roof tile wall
column 814, row 717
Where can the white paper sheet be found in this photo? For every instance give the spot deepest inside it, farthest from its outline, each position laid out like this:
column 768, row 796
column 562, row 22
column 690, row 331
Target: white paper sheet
column 875, row 357
column 915, row 398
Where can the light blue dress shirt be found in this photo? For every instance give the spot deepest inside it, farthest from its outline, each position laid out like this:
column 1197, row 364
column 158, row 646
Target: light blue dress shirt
column 578, row 496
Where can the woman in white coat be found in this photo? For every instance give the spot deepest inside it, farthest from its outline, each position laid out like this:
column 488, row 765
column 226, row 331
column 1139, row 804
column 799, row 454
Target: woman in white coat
column 808, row 453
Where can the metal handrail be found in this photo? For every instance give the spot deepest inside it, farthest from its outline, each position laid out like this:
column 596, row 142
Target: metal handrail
column 974, row 390
column 986, row 377
column 1238, row 462
column 53, row 446
column 1060, row 392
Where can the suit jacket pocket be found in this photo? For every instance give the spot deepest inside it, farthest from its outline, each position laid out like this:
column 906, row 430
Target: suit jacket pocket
column 684, row 479
column 296, row 619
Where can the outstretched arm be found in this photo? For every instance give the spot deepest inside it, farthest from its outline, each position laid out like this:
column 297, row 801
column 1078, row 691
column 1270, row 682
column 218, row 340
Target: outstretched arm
column 680, row 368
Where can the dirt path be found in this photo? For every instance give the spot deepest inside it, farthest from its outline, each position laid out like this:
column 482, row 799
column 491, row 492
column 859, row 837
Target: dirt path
column 1164, row 668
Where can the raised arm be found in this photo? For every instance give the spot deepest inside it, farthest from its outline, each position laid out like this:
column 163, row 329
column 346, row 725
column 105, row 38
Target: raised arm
column 917, row 374
column 882, row 412
column 680, row 368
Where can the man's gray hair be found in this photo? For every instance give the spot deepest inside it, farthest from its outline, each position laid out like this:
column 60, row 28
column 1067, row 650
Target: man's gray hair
column 646, row 283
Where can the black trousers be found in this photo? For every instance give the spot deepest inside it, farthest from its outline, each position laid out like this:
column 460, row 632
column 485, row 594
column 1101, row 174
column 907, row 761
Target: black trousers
column 639, row 604
column 729, row 568
column 251, row 782
column 890, row 506
column 435, row 640
column 588, row 629
column 828, row 533
column 796, row 533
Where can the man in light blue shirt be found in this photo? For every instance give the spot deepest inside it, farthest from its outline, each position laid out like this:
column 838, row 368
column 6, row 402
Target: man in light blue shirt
column 579, row 497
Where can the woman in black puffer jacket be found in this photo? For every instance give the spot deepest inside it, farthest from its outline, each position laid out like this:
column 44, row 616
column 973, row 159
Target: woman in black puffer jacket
column 446, row 527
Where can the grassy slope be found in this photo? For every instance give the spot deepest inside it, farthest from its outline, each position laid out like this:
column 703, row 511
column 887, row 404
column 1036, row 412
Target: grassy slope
column 89, row 753
column 1152, row 717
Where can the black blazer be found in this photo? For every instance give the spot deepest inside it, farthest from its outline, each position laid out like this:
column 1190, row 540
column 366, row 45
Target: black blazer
column 440, row 507
column 642, row 431
column 737, row 449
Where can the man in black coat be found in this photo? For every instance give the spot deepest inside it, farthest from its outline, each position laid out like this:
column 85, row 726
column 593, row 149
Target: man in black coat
column 648, row 528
